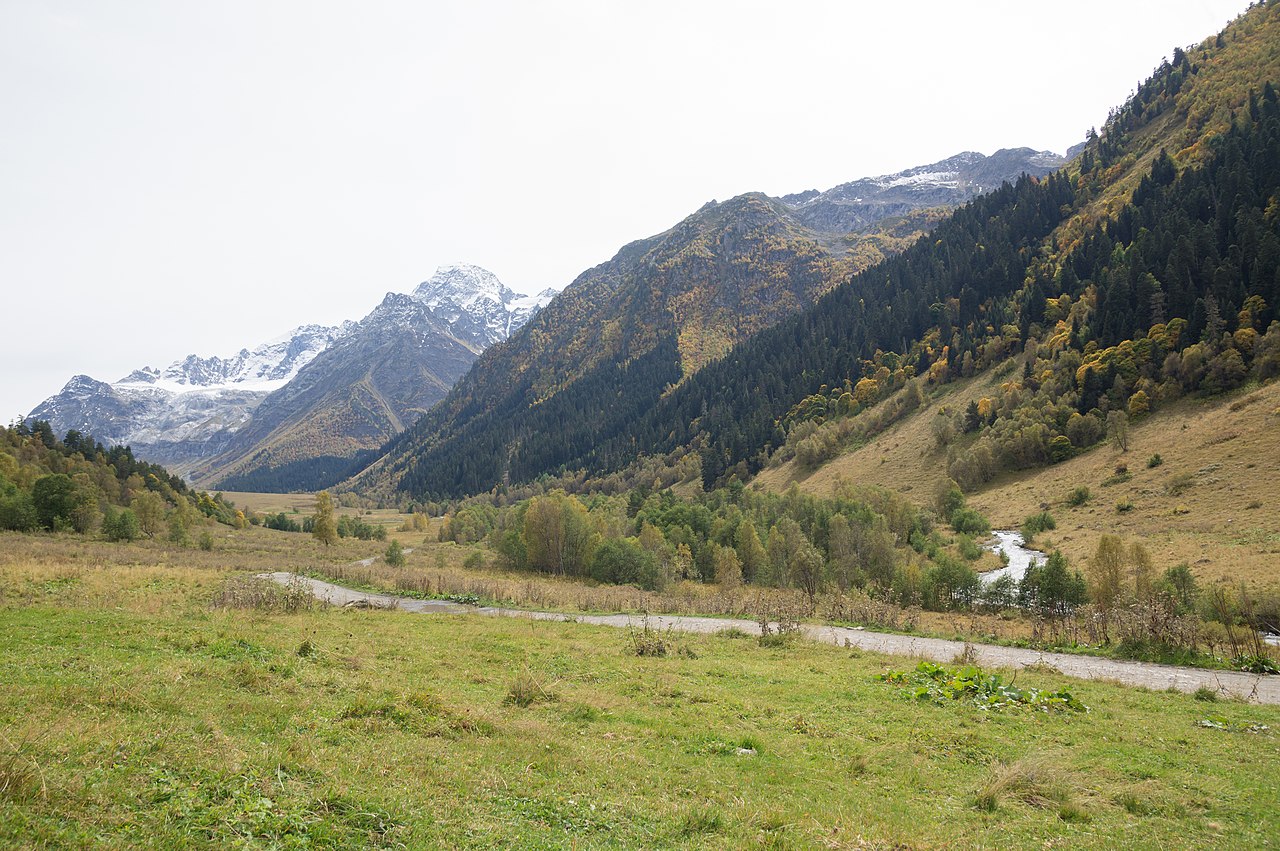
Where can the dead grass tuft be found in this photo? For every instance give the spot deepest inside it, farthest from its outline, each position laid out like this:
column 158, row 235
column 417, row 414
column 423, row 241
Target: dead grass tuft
column 1037, row 779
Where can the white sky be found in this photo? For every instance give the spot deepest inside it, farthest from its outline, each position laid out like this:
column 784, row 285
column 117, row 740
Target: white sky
column 194, row 177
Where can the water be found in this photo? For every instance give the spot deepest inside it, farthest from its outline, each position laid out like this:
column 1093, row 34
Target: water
column 1020, row 558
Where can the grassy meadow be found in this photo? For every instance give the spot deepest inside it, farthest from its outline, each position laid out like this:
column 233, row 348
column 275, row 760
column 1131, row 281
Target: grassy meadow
column 134, row 713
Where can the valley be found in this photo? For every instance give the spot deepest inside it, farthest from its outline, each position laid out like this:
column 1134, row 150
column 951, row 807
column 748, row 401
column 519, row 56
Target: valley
column 710, row 548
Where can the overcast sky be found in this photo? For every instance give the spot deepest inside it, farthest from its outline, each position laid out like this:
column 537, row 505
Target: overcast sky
column 197, row 177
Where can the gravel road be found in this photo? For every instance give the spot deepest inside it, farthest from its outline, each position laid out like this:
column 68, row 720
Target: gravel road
column 1254, row 688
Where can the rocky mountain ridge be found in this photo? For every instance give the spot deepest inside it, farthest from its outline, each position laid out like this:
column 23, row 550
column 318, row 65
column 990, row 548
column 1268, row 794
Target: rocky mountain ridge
column 193, row 409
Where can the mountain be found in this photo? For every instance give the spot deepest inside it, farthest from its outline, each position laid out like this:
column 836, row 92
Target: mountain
column 1144, row 270
column 1147, row 270
column 370, row 385
column 852, row 207
column 372, row 378
column 192, row 407
column 624, row 333
column 475, row 305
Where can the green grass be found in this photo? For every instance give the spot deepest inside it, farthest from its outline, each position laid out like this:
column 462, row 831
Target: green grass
column 129, row 726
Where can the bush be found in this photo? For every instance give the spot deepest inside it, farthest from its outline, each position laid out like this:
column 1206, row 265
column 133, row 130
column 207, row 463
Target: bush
column 1078, row 497
column 623, row 561
column 1154, row 461
column 1037, row 523
column 970, row 521
column 968, row 547
column 18, row 512
column 121, row 525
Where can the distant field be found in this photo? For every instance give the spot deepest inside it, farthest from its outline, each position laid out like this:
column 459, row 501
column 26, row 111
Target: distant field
column 1213, row 502
column 274, row 503
column 300, row 505
column 140, row 716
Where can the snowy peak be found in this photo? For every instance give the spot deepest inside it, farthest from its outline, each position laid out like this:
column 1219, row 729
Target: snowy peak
column 191, row 407
column 853, row 206
column 477, row 306
column 266, row 367
column 462, row 284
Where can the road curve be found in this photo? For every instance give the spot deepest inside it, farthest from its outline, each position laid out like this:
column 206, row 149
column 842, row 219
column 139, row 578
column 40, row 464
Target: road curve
column 1251, row 687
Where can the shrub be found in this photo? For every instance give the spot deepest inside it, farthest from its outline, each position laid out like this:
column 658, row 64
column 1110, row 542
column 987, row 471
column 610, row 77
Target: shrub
column 1037, row 523
column 121, row 525
column 1124, row 506
column 1154, row 461
column 968, row 547
column 1078, row 497
column 970, row 521
column 622, row 561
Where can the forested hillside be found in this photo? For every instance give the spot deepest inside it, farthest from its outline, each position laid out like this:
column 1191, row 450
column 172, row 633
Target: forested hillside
column 78, row 485
column 1163, row 233
column 628, row 331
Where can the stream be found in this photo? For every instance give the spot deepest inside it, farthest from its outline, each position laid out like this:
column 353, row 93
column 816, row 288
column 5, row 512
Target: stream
column 1010, row 542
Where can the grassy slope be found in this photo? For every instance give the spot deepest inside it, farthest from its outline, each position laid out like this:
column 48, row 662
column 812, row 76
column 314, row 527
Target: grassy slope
column 139, row 717
column 1229, row 447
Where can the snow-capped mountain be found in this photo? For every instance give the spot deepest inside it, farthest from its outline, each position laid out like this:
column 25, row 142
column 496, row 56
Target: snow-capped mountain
column 267, row 367
column 373, row 383
column 853, row 206
column 197, row 407
column 476, row 305
column 191, row 407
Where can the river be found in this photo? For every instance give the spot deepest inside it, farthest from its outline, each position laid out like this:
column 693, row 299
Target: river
column 1020, row 557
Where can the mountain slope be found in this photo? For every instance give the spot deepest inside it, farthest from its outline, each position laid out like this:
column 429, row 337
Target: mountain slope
column 995, row 276
column 625, row 332
column 274, row 406
column 1173, row 294
column 371, row 384
column 190, row 409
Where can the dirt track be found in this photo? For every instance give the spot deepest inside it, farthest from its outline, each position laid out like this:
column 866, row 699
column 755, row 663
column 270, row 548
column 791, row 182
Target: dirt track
column 1254, row 688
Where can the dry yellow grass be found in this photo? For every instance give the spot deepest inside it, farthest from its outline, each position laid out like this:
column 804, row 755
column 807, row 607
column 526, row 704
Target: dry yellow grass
column 66, row 569
column 1214, row 502
column 274, row 503
column 903, row 458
